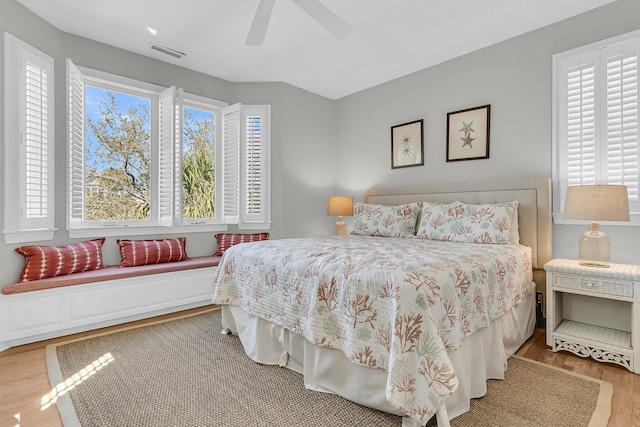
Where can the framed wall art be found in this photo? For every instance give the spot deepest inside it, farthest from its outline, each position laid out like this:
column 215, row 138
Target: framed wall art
column 468, row 134
column 407, row 145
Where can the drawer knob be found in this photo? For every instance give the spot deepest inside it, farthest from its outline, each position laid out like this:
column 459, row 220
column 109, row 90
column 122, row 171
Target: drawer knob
column 589, row 284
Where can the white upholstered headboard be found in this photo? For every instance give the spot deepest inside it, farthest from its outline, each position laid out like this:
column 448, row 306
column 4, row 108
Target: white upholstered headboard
column 534, row 210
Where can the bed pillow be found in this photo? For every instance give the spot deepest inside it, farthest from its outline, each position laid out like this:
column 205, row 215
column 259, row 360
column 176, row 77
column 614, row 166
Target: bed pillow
column 143, row 252
column 514, row 230
column 41, row 262
column 385, row 221
column 226, row 240
column 468, row 223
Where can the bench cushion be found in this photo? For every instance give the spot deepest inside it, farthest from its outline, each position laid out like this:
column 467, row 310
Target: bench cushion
column 109, row 273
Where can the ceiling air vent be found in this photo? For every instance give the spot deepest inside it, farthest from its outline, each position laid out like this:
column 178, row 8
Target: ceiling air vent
column 168, row 51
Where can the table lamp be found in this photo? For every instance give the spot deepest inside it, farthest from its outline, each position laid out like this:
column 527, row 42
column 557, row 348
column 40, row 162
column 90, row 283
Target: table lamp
column 596, row 203
column 340, row 206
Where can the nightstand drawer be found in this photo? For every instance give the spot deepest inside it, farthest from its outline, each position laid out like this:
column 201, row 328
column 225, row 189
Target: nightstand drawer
column 594, row 284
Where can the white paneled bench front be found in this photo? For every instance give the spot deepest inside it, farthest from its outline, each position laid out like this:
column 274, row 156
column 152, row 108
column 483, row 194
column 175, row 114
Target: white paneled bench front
column 62, row 305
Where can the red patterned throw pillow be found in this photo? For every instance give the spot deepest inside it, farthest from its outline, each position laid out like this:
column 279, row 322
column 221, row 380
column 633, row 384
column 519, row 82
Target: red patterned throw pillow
column 226, row 240
column 48, row 261
column 143, row 252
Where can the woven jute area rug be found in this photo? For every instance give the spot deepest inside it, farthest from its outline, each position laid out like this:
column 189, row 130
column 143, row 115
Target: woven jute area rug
column 183, row 372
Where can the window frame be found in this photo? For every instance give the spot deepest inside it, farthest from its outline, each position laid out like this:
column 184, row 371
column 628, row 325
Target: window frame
column 171, row 220
column 18, row 227
column 98, row 80
column 189, row 100
column 595, row 53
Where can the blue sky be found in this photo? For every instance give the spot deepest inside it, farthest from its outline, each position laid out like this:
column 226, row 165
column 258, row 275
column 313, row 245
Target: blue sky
column 94, row 96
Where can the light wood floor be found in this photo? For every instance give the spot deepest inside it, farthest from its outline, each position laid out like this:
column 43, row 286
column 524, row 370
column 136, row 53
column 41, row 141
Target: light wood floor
column 24, row 382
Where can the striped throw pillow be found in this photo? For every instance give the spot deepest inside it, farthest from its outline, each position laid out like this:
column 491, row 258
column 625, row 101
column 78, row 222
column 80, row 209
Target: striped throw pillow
column 226, row 240
column 41, row 262
column 143, row 252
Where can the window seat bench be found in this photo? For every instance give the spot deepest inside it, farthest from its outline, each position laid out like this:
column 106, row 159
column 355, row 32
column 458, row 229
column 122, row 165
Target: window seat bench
column 62, row 305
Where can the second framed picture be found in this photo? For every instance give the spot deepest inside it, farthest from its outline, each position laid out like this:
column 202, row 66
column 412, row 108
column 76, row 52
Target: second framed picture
column 468, row 134
column 407, row 145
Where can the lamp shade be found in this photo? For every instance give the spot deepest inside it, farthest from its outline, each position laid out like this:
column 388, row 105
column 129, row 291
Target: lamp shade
column 597, row 203
column 340, row 206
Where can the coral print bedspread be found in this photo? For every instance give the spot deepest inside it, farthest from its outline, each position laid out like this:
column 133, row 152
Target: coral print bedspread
column 395, row 304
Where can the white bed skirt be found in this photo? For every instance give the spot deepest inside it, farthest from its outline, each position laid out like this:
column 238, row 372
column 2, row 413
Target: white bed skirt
column 482, row 356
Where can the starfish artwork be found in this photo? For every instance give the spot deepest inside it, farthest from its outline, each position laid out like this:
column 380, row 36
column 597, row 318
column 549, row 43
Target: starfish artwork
column 466, row 128
column 407, row 145
column 467, row 141
column 468, row 134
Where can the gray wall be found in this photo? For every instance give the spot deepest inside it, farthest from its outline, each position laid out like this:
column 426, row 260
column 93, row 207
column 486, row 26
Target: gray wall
column 515, row 78
column 303, row 133
column 303, row 168
column 322, row 147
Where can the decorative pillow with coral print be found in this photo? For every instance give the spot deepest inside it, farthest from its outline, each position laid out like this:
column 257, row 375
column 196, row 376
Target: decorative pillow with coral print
column 385, row 221
column 514, row 230
column 434, row 218
column 461, row 222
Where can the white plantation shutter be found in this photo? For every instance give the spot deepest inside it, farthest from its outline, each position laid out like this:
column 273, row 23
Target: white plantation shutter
column 75, row 134
column 36, row 142
column 622, row 119
column 166, row 169
column 254, row 184
column 231, row 140
column 28, row 143
column 581, row 140
column 178, row 121
column 253, row 166
column 596, row 137
column 246, row 165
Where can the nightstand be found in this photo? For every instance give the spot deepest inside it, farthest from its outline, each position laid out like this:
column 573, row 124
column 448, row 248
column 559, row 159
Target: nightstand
column 594, row 311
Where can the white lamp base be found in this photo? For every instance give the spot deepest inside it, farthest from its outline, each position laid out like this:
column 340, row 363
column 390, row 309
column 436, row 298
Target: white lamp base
column 341, row 227
column 595, row 248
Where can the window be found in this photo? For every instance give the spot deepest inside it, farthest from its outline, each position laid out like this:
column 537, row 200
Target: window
column 149, row 157
column 117, row 161
column 198, row 162
column 28, row 119
column 596, row 117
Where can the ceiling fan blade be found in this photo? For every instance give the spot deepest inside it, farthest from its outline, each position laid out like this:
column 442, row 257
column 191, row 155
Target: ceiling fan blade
column 260, row 23
column 325, row 17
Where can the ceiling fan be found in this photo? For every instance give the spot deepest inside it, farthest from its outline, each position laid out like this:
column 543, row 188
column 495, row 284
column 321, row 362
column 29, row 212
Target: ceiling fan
column 319, row 12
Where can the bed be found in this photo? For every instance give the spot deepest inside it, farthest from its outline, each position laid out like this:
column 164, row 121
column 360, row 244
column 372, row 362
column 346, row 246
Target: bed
column 410, row 326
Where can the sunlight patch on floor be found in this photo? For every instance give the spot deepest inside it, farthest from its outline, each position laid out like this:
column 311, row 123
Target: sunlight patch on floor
column 74, row 380
column 17, row 417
